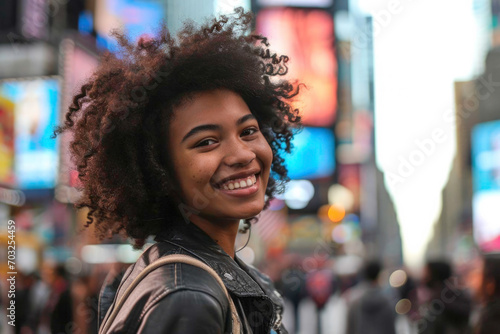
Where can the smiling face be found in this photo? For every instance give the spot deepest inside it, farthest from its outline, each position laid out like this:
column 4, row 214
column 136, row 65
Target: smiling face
column 220, row 158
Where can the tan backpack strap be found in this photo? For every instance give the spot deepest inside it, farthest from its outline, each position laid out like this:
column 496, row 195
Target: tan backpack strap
column 175, row 258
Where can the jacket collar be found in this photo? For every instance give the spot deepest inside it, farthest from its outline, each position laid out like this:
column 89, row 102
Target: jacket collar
column 236, row 275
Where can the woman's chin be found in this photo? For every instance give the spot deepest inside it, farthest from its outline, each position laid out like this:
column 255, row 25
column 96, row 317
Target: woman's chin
column 234, row 211
column 252, row 212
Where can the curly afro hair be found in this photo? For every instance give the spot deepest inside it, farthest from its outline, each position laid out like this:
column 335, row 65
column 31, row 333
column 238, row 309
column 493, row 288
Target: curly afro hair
column 120, row 116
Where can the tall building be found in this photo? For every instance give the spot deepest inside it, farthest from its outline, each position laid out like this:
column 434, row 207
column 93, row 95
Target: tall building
column 378, row 219
column 476, row 102
column 381, row 229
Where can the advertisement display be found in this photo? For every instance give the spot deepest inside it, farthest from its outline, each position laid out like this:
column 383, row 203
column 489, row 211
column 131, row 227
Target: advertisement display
column 486, row 185
column 6, row 141
column 35, row 19
column 136, row 17
column 79, row 64
column 35, row 103
column 297, row 3
column 307, row 38
column 313, row 154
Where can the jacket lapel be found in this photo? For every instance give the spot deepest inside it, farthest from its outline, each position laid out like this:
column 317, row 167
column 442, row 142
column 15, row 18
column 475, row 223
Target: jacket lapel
column 197, row 243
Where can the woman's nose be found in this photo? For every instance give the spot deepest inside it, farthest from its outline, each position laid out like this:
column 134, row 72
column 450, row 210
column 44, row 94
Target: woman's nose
column 239, row 153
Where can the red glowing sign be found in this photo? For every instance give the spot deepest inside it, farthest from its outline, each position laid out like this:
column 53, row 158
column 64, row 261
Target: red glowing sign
column 307, row 37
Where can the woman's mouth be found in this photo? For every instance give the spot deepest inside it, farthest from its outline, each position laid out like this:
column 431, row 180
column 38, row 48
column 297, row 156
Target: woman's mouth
column 240, row 183
column 239, row 187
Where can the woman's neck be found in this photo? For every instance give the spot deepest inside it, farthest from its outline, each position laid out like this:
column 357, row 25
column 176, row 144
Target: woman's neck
column 223, row 232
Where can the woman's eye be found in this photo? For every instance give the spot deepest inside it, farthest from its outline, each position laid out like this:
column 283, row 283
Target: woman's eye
column 249, row 131
column 206, row 142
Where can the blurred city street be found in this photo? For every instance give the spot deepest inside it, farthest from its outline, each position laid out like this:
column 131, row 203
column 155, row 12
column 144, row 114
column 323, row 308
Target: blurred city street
column 390, row 222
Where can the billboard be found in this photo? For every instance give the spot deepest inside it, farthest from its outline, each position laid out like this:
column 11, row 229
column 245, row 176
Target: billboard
column 313, row 154
column 35, row 103
column 307, row 37
column 6, row 141
column 296, row 3
column 136, row 17
column 79, row 64
column 486, row 185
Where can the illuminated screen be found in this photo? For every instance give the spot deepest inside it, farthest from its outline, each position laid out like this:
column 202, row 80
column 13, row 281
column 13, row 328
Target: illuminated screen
column 313, row 154
column 307, row 37
column 227, row 7
column 35, row 104
column 6, row 141
column 486, row 184
column 78, row 66
column 136, row 17
column 301, row 3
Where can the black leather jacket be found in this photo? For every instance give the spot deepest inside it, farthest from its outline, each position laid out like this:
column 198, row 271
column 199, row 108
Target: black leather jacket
column 179, row 298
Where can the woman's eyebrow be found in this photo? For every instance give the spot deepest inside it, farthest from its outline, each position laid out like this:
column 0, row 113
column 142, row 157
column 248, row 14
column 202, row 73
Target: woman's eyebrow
column 200, row 128
column 244, row 119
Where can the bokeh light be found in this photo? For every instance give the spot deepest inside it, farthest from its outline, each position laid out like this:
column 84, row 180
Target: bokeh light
column 398, row 278
column 297, row 194
column 336, row 213
column 342, row 233
column 339, row 194
column 403, row 306
column 247, row 254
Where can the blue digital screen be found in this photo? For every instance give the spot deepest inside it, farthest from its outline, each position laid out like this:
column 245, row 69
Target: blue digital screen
column 85, row 22
column 486, row 156
column 486, row 185
column 313, row 154
column 36, row 104
column 137, row 18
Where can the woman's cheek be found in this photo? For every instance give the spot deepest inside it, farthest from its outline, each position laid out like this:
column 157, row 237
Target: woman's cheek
column 267, row 153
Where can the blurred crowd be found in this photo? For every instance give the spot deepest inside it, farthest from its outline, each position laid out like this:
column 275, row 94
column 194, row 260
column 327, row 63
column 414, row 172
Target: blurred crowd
column 371, row 300
column 338, row 192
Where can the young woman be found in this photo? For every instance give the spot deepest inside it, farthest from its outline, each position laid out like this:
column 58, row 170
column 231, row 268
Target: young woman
column 181, row 139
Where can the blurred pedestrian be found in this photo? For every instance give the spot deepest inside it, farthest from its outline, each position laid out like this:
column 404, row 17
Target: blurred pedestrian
column 33, row 296
column 24, row 305
column 182, row 138
column 320, row 286
column 369, row 309
column 85, row 293
column 489, row 318
column 447, row 307
column 292, row 284
column 57, row 314
column 4, row 326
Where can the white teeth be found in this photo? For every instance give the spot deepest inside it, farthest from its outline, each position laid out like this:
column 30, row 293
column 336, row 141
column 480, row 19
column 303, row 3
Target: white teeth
column 248, row 182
